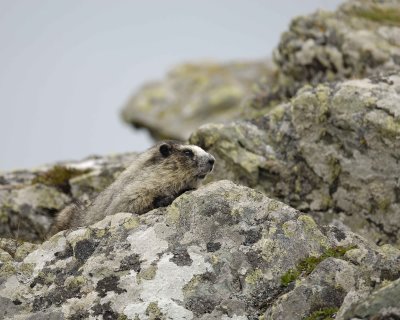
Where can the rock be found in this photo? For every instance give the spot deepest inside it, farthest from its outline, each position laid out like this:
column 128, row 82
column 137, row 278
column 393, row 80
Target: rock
column 359, row 39
column 326, row 146
column 30, row 199
column 221, row 252
column 383, row 303
column 333, row 151
column 25, row 211
column 194, row 94
column 351, row 42
column 17, row 249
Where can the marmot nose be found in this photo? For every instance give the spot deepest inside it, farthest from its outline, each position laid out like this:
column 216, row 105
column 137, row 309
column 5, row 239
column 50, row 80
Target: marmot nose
column 211, row 161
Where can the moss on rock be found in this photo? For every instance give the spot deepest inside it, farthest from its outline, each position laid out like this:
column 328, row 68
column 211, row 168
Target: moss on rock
column 307, row 265
column 323, row 314
column 59, row 177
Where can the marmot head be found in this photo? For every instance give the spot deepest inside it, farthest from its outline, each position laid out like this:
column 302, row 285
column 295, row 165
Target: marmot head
column 190, row 160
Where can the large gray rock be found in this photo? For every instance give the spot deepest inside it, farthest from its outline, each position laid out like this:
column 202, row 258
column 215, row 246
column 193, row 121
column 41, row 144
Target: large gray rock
column 192, row 95
column 221, row 252
column 333, row 151
column 226, row 251
column 361, row 36
column 29, row 200
column 355, row 41
column 358, row 39
column 383, row 303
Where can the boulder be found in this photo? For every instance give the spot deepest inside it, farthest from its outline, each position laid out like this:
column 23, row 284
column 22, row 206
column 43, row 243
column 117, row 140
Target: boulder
column 383, row 303
column 223, row 251
column 29, row 199
column 358, row 39
column 192, row 95
column 333, row 152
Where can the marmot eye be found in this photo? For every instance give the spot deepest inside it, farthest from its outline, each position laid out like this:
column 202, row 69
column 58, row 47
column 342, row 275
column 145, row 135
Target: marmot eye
column 188, row 153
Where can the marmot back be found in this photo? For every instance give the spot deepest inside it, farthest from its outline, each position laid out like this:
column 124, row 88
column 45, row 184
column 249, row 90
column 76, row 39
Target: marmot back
column 153, row 180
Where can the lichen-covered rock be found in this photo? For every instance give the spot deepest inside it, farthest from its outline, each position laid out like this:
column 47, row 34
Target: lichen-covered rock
column 221, row 252
column 383, row 303
column 194, row 94
column 360, row 38
column 30, row 199
column 333, row 151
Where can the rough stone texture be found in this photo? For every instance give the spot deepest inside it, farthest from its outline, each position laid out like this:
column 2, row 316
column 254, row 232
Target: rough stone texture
column 382, row 304
column 360, row 38
column 226, row 251
column 216, row 253
column 194, row 94
column 28, row 205
column 333, row 151
column 356, row 39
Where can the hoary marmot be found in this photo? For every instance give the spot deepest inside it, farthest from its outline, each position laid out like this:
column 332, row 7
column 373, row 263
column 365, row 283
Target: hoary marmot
column 154, row 179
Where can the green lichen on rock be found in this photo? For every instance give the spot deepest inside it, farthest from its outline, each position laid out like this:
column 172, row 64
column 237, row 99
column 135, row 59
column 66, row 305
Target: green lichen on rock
column 323, row 314
column 26, row 269
column 193, row 94
column 317, row 157
column 390, row 15
column 7, row 269
column 209, row 263
column 59, row 177
column 307, row 265
column 148, row 273
column 173, row 214
column 254, row 276
column 192, row 285
column 154, row 312
column 74, row 283
column 24, row 249
column 131, row 223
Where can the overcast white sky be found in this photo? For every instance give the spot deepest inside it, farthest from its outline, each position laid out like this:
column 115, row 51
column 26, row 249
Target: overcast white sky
column 68, row 66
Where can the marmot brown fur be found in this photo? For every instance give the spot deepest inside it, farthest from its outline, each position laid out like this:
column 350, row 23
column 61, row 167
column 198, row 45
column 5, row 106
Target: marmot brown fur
column 154, row 179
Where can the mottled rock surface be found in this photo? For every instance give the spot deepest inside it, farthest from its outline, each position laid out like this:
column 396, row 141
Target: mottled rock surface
column 29, row 200
column 333, row 151
column 194, row 94
column 322, row 135
column 221, row 252
column 383, row 303
column 360, row 38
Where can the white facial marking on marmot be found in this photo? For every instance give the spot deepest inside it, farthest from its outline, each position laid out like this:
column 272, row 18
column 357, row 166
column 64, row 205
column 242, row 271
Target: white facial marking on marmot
column 154, row 179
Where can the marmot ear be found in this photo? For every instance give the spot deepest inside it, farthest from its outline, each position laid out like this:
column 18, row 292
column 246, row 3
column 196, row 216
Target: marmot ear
column 165, row 149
